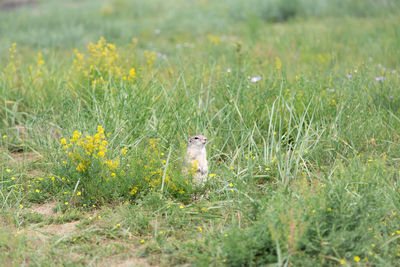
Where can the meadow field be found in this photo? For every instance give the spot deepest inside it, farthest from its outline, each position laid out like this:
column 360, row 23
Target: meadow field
column 299, row 99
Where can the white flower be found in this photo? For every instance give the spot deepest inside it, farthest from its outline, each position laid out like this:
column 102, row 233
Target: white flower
column 157, row 31
column 348, row 76
column 229, row 70
column 255, row 79
column 160, row 55
column 330, row 90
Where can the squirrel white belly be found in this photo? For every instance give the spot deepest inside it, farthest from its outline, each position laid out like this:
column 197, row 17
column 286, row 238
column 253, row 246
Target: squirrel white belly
column 196, row 158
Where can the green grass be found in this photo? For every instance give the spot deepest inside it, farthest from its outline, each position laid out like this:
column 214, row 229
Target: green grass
column 304, row 163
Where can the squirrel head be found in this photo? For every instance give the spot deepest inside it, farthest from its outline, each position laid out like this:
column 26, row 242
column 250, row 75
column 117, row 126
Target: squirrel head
column 199, row 141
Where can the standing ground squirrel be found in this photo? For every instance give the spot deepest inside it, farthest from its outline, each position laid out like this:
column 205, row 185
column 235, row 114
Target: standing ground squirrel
column 196, row 158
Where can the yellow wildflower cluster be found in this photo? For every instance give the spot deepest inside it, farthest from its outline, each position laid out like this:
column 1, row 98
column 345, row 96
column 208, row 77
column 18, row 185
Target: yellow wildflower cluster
column 213, row 39
column 102, row 63
column 40, row 62
column 150, row 58
column 10, row 70
column 134, row 190
column 81, row 150
column 157, row 175
column 37, row 71
column 278, row 63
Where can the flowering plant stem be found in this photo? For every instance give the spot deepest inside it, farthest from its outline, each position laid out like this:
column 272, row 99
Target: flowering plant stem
column 166, row 168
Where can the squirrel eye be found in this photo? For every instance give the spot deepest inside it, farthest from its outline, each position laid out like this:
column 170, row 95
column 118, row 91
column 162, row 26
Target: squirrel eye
column 196, row 138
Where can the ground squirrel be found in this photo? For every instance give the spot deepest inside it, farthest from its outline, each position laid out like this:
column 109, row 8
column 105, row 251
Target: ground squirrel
column 196, row 158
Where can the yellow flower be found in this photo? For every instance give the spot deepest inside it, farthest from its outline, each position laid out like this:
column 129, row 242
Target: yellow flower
column 150, row 58
column 21, row 206
column 142, row 241
column 90, row 218
column 75, row 136
column 4, row 136
column 118, row 225
column 124, row 151
column 12, row 178
column 226, row 235
column 80, row 167
column 212, row 175
column 134, row 190
column 40, row 60
column 79, row 193
column 200, row 229
column 8, row 170
column 278, row 63
column 132, row 73
column 181, row 207
column 231, row 185
column 213, row 39
column 113, row 174
column 342, row 261
column 99, row 217
column 66, row 203
column 357, row 259
column 63, row 141
column 37, row 191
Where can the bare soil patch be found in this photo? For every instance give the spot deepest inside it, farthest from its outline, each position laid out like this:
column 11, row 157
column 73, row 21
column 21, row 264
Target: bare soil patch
column 125, row 259
column 60, row 229
column 40, row 235
column 46, row 209
column 25, row 157
column 131, row 262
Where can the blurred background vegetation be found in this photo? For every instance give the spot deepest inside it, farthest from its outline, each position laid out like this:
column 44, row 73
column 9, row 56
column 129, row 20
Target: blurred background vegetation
column 74, row 23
